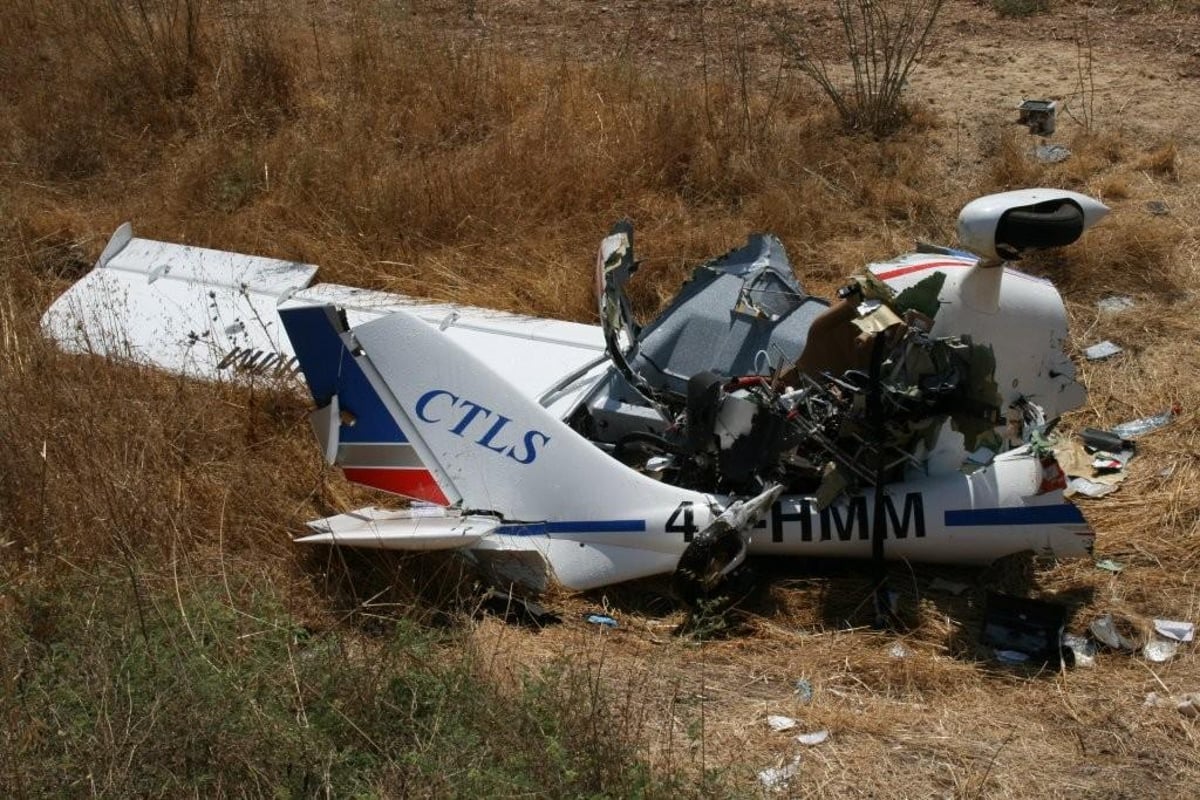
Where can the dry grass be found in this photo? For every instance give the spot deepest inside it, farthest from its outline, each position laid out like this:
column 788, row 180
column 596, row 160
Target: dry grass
column 408, row 151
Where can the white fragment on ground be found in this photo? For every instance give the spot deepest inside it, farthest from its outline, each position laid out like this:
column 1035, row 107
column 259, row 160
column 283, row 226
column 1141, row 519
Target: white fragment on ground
column 1089, row 488
column 775, row 779
column 1101, row 351
column 1115, row 304
column 812, row 739
column 1160, row 650
column 780, row 723
column 898, row 650
column 1174, row 629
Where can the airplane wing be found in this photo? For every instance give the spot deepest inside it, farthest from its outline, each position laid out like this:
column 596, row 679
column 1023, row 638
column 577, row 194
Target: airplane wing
column 212, row 314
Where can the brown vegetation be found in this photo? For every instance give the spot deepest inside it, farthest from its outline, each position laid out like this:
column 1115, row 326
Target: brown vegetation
column 145, row 521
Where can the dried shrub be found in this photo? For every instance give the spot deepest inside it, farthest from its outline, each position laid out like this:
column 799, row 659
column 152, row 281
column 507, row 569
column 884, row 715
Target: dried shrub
column 883, row 40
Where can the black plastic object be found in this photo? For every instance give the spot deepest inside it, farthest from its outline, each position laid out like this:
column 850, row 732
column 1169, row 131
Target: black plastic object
column 1054, row 223
column 1107, row 441
column 703, row 402
column 1030, row 627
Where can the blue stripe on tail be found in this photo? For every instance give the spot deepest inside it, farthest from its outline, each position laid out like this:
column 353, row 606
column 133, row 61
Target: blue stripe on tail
column 330, row 368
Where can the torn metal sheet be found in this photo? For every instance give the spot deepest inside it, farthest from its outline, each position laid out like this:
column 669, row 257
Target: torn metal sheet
column 1174, row 629
column 1115, row 634
column 1139, row 427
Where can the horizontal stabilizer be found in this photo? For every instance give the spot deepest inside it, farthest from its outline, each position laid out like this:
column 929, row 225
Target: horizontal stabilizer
column 416, row 528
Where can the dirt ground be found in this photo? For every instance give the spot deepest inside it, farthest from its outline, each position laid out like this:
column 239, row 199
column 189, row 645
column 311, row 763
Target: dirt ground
column 935, row 722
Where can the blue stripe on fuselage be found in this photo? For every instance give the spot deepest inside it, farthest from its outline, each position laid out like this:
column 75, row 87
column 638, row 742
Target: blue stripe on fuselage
column 1061, row 514
column 574, row 526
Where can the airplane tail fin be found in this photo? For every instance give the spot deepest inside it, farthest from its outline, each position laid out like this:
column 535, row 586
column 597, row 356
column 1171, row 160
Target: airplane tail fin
column 403, row 408
column 353, row 423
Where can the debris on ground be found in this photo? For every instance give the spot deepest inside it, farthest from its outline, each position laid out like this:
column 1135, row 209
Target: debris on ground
column 1115, row 634
column 1092, row 471
column 1160, row 650
column 813, row 739
column 1018, row 630
column 1137, row 427
column 780, row 723
column 898, row 650
column 1115, row 304
column 1187, row 704
column 1174, row 629
column 1158, row 208
column 1082, row 649
column 1101, row 351
column 804, row 690
column 1051, row 153
column 1108, row 565
column 775, row 779
column 603, row 620
column 514, row 608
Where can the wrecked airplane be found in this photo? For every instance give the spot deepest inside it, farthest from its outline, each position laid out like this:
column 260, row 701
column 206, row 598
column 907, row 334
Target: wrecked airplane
column 904, row 420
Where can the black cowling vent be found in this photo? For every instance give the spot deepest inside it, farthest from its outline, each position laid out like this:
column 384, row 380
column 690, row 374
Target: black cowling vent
column 1054, row 223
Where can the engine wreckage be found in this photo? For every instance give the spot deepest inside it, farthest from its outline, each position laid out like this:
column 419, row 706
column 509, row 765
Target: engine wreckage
column 904, row 420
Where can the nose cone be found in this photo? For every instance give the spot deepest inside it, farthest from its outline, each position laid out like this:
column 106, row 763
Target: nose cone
column 1093, row 209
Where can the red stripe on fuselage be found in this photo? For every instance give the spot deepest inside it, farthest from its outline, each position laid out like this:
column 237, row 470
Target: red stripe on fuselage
column 415, row 483
column 896, row 273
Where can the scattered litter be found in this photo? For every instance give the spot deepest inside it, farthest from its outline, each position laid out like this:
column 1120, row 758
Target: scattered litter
column 1158, row 208
column 1083, row 651
column 1104, row 629
column 1093, row 475
column 1101, row 351
column 812, row 739
column 1115, row 304
column 514, row 608
column 898, row 650
column 602, row 619
column 780, row 723
column 1187, row 704
column 1160, row 650
column 1173, row 629
column 1106, row 462
column 1108, row 565
column 1019, row 630
column 804, row 690
column 1011, row 656
column 776, row 779
column 1135, row 428
column 1051, row 153
column 1089, row 488
column 949, row 587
